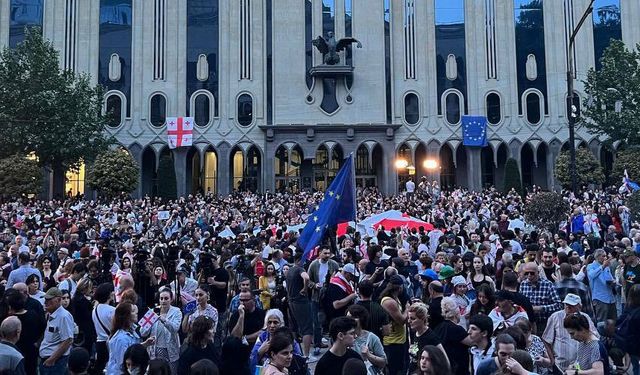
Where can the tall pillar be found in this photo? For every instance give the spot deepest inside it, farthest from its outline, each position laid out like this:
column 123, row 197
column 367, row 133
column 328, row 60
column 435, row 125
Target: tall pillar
column 389, row 172
column 474, row 168
column 136, row 153
column 180, row 166
column 554, row 151
column 224, row 166
column 433, row 153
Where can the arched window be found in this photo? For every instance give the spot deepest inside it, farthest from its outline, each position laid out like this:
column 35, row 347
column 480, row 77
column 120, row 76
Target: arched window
column 210, row 172
column 411, row 109
column 452, row 105
column 533, row 108
column 494, row 114
column 202, row 110
column 114, row 110
column 158, row 110
column 245, row 109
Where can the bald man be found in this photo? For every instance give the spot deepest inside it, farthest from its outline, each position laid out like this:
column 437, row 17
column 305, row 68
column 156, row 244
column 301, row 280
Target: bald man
column 10, row 358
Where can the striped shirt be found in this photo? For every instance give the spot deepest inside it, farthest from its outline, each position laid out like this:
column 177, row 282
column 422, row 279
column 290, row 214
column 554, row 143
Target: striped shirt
column 565, row 349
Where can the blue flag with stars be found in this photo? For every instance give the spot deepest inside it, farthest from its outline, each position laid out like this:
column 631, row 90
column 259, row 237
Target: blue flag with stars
column 474, row 131
column 338, row 206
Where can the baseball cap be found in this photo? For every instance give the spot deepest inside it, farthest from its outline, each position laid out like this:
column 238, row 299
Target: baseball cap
column 572, row 299
column 458, row 280
column 53, row 293
column 450, row 236
column 349, row 267
column 429, row 274
column 446, row 272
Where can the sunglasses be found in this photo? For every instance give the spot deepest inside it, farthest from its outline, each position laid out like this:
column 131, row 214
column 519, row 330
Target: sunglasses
column 529, row 273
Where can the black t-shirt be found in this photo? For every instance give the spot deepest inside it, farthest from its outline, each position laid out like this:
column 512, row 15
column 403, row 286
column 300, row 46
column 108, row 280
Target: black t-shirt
column 331, row 364
column 435, row 312
column 632, row 275
column 220, row 294
column 548, row 272
column 253, row 322
column 377, row 317
column 334, row 293
column 419, row 342
column 452, row 335
column 520, row 300
column 295, row 283
column 370, row 269
column 191, row 354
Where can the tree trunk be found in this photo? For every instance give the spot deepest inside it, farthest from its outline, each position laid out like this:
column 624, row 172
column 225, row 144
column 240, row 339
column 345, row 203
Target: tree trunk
column 59, row 180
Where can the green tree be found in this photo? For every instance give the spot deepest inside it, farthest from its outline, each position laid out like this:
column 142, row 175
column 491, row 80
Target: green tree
column 612, row 106
column 633, row 202
column 512, row 178
column 588, row 168
column 167, row 187
column 19, row 176
column 628, row 159
column 546, row 210
column 54, row 114
column 113, row 172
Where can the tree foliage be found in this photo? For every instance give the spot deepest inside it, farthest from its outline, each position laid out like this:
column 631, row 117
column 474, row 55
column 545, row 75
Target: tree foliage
column 113, row 172
column 633, row 202
column 512, row 178
column 54, row 114
column 630, row 160
column 618, row 80
column 588, row 168
column 546, row 210
column 19, row 176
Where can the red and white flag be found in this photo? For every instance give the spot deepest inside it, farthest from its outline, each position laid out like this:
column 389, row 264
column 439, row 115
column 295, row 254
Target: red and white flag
column 148, row 319
column 179, row 131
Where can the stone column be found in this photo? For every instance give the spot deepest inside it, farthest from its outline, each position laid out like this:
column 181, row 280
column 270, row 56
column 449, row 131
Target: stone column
column 180, row 166
column 136, row 153
column 474, row 168
column 433, row 153
column 552, row 156
column 224, row 177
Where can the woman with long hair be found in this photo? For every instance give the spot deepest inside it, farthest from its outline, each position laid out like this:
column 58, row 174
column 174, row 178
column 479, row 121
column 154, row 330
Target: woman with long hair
column 454, row 337
column 394, row 342
column 202, row 309
column 485, row 300
column 432, row 362
column 478, row 276
column 123, row 335
column 165, row 329
column 367, row 344
column 273, row 319
column 421, row 334
column 48, row 279
column 267, row 285
column 81, row 307
column 591, row 358
column 198, row 344
column 33, row 285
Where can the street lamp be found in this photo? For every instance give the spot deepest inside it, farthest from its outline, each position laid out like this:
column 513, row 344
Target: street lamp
column 430, row 164
column 572, row 115
column 401, row 164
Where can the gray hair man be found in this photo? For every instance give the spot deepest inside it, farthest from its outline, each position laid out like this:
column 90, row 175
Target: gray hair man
column 11, row 359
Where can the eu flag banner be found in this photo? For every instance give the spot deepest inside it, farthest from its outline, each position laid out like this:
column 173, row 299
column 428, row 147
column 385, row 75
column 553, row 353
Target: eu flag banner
column 474, row 131
column 338, row 206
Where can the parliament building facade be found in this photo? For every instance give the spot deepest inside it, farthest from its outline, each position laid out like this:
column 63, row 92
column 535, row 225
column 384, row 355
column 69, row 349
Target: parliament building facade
column 265, row 119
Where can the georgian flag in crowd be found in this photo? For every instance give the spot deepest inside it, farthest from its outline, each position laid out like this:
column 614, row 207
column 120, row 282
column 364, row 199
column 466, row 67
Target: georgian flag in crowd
column 179, row 131
column 148, row 319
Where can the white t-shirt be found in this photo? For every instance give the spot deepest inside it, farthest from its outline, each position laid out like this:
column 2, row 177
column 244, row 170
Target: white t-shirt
column 411, row 186
column 102, row 316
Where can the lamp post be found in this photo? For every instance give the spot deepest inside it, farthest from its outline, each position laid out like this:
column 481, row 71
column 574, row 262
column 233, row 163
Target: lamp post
column 572, row 110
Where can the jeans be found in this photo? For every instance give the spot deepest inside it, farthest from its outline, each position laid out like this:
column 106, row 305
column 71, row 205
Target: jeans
column 59, row 368
column 317, row 327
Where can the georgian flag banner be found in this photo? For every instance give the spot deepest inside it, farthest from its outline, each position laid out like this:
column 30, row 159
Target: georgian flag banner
column 148, row 319
column 179, row 131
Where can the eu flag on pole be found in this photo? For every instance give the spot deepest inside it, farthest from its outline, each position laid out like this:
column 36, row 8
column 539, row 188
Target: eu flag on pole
column 338, row 206
column 474, row 131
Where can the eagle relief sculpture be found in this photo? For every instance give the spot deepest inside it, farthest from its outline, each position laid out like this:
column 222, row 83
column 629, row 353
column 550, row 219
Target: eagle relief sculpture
column 330, row 48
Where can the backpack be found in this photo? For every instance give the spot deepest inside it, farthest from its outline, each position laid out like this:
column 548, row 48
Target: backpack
column 627, row 333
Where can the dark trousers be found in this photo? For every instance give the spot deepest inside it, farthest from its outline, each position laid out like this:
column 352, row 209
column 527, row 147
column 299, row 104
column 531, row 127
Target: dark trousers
column 396, row 358
column 102, row 357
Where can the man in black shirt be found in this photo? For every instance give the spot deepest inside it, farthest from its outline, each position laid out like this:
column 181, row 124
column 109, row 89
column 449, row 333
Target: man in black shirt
column 342, row 331
column 378, row 318
column 510, row 283
column 219, row 281
column 297, row 289
column 435, row 310
column 248, row 321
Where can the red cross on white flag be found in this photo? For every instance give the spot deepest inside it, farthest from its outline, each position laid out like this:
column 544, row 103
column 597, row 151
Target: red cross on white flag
column 179, row 131
column 148, row 319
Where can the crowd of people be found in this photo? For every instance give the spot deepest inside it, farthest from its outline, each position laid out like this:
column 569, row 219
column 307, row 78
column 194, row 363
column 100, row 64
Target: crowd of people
column 219, row 285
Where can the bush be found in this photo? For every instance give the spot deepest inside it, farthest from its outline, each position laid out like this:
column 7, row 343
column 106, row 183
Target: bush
column 19, row 176
column 588, row 168
column 512, row 178
column 630, row 160
column 546, row 210
column 113, row 172
column 167, row 187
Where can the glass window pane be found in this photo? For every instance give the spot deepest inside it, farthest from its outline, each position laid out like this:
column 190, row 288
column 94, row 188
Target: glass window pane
column 494, row 114
column 245, row 109
column 114, row 110
column 411, row 109
column 202, row 110
column 606, row 26
column 158, row 110
column 74, row 184
column 210, row 172
column 23, row 13
column 453, row 108
column 533, row 108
